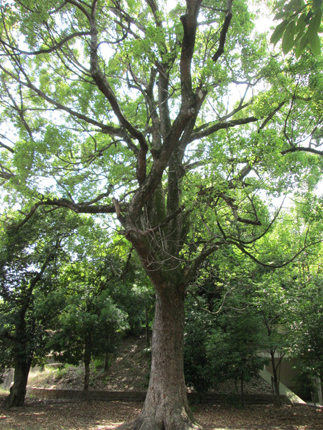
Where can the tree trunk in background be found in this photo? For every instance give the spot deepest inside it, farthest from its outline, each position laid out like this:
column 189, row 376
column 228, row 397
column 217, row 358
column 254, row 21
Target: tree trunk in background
column 147, row 328
column 106, row 362
column 275, row 380
column 87, row 361
column 242, row 391
column 22, row 353
column 18, row 390
column 166, row 406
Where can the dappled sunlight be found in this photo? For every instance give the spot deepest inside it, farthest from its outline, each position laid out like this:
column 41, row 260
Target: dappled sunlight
column 96, row 415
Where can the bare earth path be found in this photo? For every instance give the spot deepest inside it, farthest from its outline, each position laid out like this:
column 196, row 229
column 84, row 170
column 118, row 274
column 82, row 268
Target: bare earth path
column 91, row 415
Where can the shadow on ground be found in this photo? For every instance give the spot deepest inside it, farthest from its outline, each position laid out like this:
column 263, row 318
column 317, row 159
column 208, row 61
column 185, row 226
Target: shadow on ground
column 98, row 415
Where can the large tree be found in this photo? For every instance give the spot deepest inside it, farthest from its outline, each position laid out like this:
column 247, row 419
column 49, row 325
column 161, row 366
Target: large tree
column 122, row 109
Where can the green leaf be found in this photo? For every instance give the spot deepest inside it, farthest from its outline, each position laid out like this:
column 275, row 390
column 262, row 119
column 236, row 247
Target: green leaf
column 288, row 39
column 302, row 45
column 279, row 30
column 280, row 4
column 315, row 45
column 315, row 24
column 301, row 23
column 296, row 4
column 280, row 15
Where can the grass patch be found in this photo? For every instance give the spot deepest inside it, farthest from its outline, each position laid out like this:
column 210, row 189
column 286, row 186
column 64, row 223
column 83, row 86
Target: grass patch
column 45, row 375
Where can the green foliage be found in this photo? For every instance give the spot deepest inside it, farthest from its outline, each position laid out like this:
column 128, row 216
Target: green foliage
column 241, row 309
column 29, row 262
column 198, row 369
column 234, row 349
column 101, row 302
column 308, row 328
column 223, row 331
column 300, row 27
column 88, row 318
column 182, row 126
column 221, row 349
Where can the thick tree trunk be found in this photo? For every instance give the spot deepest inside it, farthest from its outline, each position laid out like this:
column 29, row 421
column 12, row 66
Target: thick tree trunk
column 166, row 406
column 18, row 390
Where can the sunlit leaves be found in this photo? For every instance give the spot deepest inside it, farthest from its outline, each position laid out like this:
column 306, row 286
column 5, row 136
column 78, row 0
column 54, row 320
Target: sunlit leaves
column 71, row 139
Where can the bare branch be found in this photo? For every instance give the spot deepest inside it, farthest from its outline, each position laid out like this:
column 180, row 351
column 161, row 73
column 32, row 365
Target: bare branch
column 271, row 115
column 154, row 8
column 208, row 249
column 302, row 149
column 220, row 126
column 274, row 266
column 3, row 145
column 207, row 310
column 224, row 31
column 80, row 7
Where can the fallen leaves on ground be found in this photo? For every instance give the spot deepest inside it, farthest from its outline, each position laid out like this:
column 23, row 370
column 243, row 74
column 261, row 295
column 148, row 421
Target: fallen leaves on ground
column 96, row 415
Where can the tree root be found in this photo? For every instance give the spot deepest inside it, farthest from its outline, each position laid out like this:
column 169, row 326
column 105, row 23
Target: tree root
column 150, row 423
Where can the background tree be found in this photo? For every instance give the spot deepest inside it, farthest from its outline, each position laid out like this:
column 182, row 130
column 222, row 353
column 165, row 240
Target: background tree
column 223, row 331
column 272, row 302
column 105, row 294
column 29, row 260
column 88, row 328
column 239, row 309
column 306, row 308
column 199, row 372
column 89, row 322
column 125, row 110
column 276, row 293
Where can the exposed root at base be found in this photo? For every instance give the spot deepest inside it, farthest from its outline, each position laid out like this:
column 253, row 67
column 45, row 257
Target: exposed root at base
column 150, row 424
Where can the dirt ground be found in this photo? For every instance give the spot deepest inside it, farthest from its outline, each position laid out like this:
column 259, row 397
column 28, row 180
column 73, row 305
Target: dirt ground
column 129, row 372
column 94, row 415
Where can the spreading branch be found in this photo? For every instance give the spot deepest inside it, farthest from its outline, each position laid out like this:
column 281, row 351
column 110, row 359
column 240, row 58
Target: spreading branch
column 84, row 207
column 220, row 126
column 113, row 131
column 274, row 266
column 104, row 86
column 302, row 149
column 48, row 50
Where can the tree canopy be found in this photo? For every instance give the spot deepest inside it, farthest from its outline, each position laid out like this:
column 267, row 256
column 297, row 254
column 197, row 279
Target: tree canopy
column 176, row 122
